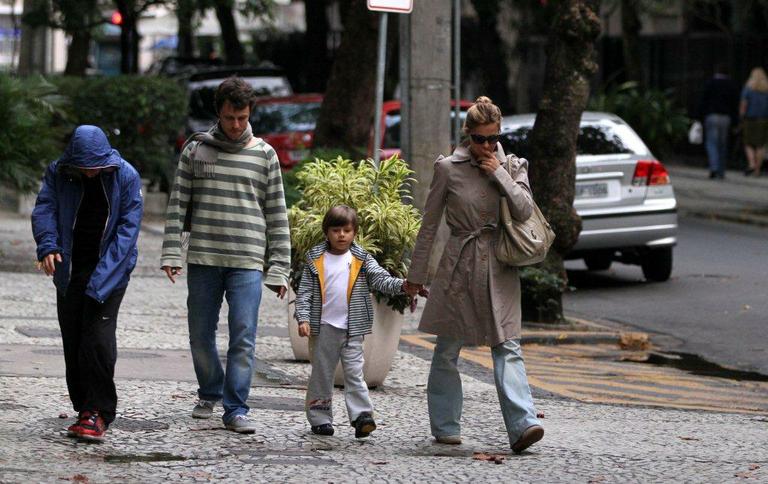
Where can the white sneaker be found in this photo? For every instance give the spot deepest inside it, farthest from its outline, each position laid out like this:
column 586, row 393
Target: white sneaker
column 203, row 409
column 241, row 425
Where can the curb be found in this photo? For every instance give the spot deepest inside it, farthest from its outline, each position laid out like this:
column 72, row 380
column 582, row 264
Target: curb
column 735, row 218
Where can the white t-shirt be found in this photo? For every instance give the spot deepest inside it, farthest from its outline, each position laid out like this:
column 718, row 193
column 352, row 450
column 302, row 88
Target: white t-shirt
column 335, row 305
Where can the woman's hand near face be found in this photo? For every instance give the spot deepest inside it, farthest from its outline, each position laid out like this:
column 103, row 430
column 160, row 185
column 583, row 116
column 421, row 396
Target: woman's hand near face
column 488, row 163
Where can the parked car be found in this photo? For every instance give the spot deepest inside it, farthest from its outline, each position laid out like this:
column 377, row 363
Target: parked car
column 623, row 194
column 287, row 123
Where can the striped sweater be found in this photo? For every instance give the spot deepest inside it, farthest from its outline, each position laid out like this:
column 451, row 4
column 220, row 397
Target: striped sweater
column 238, row 216
column 365, row 274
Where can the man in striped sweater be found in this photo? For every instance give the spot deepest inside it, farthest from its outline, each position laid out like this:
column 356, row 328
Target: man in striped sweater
column 228, row 194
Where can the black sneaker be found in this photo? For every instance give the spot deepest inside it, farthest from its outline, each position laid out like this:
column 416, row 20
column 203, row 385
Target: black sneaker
column 324, row 429
column 364, row 425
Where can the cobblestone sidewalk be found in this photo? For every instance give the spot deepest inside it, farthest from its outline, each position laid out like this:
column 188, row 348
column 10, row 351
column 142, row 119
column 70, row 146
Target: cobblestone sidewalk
column 154, row 438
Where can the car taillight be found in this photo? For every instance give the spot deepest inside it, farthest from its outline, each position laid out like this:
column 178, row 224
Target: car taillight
column 650, row 172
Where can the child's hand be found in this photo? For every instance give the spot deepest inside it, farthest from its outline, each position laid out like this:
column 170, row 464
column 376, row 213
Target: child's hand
column 411, row 289
column 304, row 329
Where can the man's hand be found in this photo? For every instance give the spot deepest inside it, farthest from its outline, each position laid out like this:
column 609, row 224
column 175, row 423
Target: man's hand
column 48, row 264
column 280, row 290
column 304, row 329
column 171, row 272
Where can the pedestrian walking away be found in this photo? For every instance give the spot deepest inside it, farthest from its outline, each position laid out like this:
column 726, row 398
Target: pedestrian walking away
column 86, row 223
column 474, row 299
column 753, row 109
column 334, row 309
column 228, row 196
column 718, row 110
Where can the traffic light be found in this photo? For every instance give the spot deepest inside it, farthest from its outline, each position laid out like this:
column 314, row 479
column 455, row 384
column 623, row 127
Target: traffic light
column 117, row 18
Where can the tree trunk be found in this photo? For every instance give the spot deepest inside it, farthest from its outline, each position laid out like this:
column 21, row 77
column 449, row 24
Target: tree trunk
column 630, row 40
column 77, row 53
column 489, row 50
column 32, row 51
column 569, row 66
column 233, row 49
column 347, row 110
column 129, row 37
column 185, row 10
column 316, row 46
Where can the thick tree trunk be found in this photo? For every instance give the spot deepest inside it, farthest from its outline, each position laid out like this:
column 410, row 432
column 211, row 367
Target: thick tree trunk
column 185, row 10
column 129, row 37
column 489, row 50
column 570, row 64
column 347, row 110
column 630, row 39
column 316, row 46
column 77, row 53
column 233, row 49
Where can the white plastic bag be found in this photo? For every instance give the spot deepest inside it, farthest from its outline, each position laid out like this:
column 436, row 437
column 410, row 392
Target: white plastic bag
column 696, row 133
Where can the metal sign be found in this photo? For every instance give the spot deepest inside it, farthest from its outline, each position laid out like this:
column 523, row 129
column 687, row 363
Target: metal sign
column 394, row 6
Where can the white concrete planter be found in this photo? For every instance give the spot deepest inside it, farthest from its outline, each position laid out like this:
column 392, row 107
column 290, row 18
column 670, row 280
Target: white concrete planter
column 379, row 348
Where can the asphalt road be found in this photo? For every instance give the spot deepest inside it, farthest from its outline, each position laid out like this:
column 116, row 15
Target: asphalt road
column 715, row 305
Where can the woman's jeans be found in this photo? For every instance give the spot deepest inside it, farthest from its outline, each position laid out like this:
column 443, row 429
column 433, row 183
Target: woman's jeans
column 716, row 127
column 444, row 395
column 242, row 288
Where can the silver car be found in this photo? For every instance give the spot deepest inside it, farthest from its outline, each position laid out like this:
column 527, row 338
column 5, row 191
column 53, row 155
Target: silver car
column 623, row 194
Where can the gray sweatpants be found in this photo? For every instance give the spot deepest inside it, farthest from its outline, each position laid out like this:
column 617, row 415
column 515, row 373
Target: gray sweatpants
column 325, row 349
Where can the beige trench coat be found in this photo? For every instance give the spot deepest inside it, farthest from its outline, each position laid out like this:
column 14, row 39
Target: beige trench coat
column 473, row 297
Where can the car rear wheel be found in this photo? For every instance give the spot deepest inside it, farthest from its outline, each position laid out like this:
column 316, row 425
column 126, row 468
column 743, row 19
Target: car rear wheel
column 657, row 264
column 598, row 262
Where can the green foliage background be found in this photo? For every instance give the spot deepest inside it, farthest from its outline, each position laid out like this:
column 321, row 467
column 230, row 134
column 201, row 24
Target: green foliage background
column 31, row 129
column 388, row 224
column 141, row 116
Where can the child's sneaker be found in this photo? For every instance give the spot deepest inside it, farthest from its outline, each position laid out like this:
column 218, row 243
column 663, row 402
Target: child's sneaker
column 75, row 429
column 364, row 425
column 324, row 429
column 92, row 428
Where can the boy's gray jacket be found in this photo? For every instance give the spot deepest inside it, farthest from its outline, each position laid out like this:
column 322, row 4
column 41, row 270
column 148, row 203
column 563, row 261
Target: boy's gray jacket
column 365, row 275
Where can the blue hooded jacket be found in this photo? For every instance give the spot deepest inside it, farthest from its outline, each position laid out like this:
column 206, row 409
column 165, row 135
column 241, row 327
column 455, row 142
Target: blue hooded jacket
column 55, row 212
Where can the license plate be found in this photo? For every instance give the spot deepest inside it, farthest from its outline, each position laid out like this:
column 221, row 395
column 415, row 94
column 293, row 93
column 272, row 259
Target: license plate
column 591, row 190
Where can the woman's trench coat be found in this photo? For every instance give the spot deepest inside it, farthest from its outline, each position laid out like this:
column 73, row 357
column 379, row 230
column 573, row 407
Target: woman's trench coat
column 473, row 297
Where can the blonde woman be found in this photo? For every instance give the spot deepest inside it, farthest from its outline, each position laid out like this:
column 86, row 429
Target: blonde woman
column 474, row 299
column 754, row 111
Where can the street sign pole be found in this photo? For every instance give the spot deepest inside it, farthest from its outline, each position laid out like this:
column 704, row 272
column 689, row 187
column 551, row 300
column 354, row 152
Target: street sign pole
column 456, row 72
column 379, row 88
column 383, row 6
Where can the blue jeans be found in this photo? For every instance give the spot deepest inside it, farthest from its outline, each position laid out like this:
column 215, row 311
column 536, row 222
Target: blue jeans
column 444, row 394
column 716, row 128
column 242, row 287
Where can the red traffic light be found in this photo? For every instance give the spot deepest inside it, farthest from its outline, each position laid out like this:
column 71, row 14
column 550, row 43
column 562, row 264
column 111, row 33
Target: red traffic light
column 117, row 18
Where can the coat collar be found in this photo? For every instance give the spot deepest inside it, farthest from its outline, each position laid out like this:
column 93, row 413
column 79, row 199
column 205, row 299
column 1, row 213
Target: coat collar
column 462, row 154
column 317, row 251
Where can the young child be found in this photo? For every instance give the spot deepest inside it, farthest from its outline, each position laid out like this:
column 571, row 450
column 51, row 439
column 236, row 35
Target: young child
column 333, row 308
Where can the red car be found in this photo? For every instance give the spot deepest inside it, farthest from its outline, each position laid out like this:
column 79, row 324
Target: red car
column 287, row 123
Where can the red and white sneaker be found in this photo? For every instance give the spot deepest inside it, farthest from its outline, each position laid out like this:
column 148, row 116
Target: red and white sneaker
column 92, row 428
column 75, row 429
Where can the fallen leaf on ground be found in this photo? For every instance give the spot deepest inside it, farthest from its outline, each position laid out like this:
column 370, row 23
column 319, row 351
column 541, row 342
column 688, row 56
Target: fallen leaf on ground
column 634, row 341
column 495, row 458
column 539, row 414
column 63, row 415
column 754, row 467
column 743, row 475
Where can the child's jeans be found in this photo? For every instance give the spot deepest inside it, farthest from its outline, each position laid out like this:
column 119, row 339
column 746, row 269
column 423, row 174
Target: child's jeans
column 325, row 349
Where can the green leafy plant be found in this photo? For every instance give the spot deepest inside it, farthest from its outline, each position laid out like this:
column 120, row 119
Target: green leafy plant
column 388, row 224
column 31, row 129
column 141, row 116
column 651, row 112
column 540, row 294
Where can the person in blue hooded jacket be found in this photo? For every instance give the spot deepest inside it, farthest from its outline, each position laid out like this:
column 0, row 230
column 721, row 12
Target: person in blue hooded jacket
column 86, row 224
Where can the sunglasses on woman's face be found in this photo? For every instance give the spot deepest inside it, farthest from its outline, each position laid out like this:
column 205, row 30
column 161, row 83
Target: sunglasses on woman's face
column 480, row 139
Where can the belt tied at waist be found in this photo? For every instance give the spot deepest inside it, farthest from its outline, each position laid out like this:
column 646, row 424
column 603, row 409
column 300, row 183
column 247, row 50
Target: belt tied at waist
column 466, row 237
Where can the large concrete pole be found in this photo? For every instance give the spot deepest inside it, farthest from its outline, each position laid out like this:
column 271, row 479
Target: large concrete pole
column 426, row 114
column 33, row 50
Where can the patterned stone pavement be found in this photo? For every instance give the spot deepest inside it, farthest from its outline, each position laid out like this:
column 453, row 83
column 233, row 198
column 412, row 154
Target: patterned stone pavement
column 154, row 438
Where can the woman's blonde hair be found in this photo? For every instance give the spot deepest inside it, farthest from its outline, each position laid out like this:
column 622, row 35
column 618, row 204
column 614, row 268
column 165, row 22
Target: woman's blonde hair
column 480, row 113
column 758, row 81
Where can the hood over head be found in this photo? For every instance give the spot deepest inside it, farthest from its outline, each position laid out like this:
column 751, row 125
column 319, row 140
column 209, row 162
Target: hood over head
column 89, row 148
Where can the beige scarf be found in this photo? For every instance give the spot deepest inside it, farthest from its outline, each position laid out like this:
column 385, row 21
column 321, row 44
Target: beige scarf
column 205, row 152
